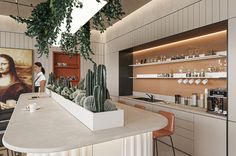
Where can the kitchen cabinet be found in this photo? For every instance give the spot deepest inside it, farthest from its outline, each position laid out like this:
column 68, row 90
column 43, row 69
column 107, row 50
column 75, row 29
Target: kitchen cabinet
column 209, row 136
column 232, row 138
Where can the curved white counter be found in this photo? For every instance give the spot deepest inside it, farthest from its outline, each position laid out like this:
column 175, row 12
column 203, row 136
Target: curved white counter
column 53, row 129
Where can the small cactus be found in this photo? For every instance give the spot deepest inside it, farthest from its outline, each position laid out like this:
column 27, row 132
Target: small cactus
column 81, row 85
column 78, row 98
column 109, row 105
column 81, row 102
column 88, row 104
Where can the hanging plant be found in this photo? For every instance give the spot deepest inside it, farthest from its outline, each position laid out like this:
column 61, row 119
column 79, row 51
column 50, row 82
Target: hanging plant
column 47, row 17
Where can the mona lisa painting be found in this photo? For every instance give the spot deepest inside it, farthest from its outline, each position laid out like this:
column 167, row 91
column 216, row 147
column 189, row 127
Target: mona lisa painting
column 15, row 73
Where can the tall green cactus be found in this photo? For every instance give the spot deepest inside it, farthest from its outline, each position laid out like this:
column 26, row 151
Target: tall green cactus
column 101, row 80
column 89, row 83
column 96, row 85
column 100, row 88
column 98, row 101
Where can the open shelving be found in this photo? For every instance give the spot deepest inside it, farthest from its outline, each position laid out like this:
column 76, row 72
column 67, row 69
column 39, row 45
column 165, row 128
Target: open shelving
column 71, row 67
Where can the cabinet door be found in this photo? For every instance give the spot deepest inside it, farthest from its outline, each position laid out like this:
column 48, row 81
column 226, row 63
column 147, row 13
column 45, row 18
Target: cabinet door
column 231, row 69
column 232, row 138
column 209, row 136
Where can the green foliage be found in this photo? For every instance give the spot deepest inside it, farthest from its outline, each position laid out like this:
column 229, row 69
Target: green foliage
column 111, row 11
column 47, row 17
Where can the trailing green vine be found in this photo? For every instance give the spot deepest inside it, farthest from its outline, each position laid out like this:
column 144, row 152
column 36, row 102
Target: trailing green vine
column 47, row 17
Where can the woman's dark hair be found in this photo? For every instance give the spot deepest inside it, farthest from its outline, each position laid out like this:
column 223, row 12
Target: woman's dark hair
column 12, row 68
column 39, row 64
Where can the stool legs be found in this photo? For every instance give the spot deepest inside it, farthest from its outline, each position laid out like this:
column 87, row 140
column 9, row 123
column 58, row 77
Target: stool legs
column 155, row 147
column 172, row 145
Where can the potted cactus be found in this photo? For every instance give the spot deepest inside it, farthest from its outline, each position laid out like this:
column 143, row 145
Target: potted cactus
column 89, row 101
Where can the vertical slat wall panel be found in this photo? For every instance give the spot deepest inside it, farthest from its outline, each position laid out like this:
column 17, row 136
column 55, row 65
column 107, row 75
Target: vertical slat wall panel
column 185, row 19
column 180, row 25
column 26, row 42
column 196, row 14
column 171, row 24
column 13, row 40
column 176, row 24
column 159, row 31
column 22, row 41
column 209, row 11
column 167, row 26
column 163, row 27
column 202, row 5
column 3, row 39
column 231, row 9
column 17, row 40
column 8, row 39
column 190, row 17
column 223, row 10
column 216, row 11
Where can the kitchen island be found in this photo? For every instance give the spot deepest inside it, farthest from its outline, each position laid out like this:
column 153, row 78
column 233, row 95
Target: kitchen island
column 52, row 130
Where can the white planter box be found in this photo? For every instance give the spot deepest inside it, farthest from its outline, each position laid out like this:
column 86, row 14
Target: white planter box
column 94, row 121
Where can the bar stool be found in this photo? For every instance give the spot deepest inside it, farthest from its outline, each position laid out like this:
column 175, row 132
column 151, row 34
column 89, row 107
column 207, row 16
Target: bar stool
column 166, row 131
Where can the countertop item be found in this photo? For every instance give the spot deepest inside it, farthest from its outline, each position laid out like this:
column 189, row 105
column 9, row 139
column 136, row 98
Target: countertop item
column 53, row 129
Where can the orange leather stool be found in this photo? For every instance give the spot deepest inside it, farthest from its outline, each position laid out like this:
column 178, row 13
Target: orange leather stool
column 166, row 131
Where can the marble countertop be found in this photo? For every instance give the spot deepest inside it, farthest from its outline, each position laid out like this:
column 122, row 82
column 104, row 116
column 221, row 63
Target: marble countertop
column 53, row 129
column 181, row 107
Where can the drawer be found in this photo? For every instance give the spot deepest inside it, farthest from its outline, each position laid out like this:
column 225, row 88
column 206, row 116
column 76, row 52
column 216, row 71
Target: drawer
column 184, row 133
column 183, row 115
column 184, row 124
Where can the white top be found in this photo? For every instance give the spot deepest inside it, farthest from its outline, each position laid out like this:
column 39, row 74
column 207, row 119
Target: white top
column 39, row 77
column 53, row 129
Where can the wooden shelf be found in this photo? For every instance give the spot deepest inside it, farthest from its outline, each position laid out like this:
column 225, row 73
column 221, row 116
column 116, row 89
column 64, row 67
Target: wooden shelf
column 177, row 77
column 212, row 75
column 180, row 60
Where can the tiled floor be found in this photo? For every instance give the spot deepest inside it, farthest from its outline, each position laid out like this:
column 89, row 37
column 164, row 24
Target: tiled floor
column 165, row 150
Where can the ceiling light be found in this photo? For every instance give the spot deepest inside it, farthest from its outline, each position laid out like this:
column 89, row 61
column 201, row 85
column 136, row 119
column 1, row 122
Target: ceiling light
column 81, row 16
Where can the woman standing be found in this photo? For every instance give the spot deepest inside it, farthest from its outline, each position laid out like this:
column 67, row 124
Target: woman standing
column 40, row 80
column 10, row 85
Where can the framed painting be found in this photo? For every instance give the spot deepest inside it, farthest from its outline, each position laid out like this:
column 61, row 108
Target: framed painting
column 15, row 73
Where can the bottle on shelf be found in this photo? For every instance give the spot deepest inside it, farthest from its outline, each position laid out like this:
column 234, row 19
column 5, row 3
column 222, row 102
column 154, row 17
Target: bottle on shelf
column 205, row 99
